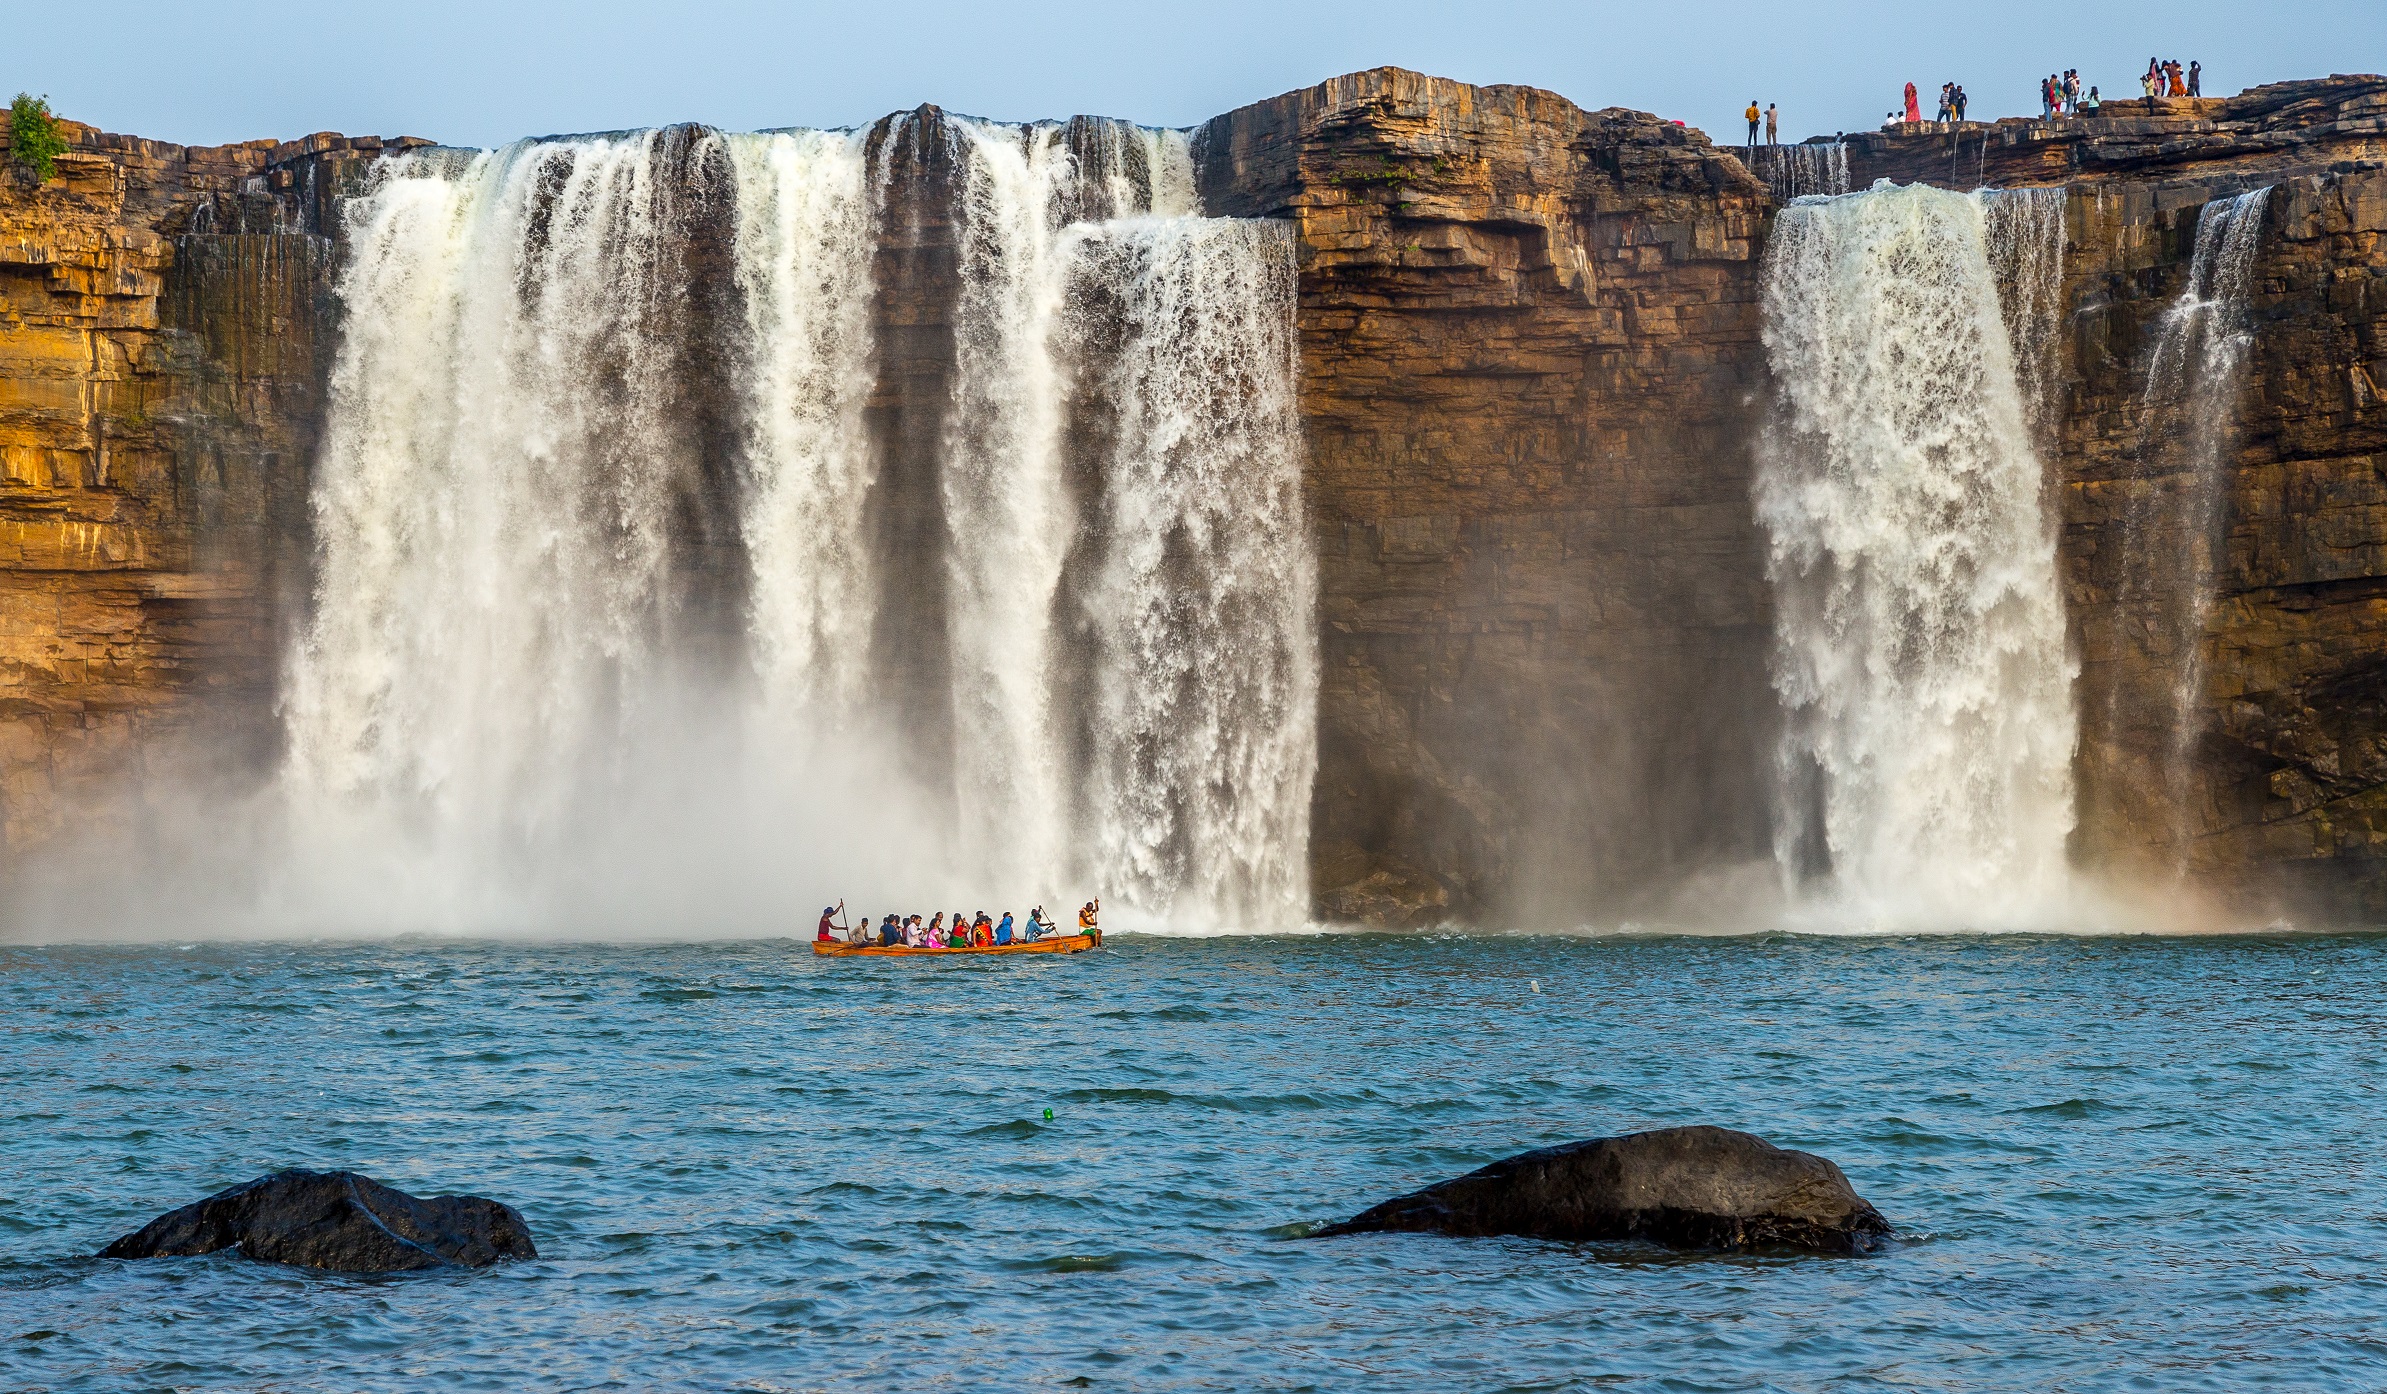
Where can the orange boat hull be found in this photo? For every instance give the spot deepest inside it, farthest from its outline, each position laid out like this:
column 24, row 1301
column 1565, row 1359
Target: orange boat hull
column 1060, row 944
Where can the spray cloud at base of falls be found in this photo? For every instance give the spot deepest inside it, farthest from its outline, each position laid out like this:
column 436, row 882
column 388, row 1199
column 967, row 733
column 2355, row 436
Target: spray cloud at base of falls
column 604, row 521
column 1921, row 656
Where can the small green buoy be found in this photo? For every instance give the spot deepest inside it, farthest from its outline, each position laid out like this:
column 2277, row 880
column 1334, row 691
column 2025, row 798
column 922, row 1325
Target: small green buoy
column 1048, row 1115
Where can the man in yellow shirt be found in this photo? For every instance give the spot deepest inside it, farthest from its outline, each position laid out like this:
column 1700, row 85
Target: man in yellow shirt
column 1751, row 113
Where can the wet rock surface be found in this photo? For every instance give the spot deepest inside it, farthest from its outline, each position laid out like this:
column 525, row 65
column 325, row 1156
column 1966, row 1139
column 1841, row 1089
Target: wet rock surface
column 1687, row 1188
column 335, row 1220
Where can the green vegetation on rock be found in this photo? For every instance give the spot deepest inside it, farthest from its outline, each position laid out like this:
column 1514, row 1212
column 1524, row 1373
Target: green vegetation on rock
column 33, row 139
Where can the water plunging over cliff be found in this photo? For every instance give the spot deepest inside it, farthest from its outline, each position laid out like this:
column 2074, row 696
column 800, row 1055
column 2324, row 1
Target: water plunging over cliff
column 1921, row 653
column 604, row 419
column 2026, row 254
column 1196, row 584
column 1803, row 171
column 2188, row 415
column 494, row 494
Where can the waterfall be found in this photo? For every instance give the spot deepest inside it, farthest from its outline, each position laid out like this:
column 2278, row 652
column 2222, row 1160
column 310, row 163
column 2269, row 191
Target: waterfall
column 1920, row 646
column 1817, row 168
column 602, row 421
column 2026, row 254
column 493, row 495
column 1200, row 600
column 804, row 245
column 2187, row 414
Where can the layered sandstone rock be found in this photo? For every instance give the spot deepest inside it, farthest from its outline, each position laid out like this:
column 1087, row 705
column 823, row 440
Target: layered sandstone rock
column 2280, row 131
column 164, row 322
column 2280, row 787
column 1530, row 367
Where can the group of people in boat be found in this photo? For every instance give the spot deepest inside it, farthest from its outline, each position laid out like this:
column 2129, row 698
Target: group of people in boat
column 981, row 931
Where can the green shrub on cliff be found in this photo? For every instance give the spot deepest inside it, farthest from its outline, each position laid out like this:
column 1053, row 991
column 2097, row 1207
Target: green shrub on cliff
column 33, row 139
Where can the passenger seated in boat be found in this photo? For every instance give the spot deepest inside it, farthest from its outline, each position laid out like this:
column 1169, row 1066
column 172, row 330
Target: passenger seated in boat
column 889, row 934
column 982, row 931
column 1003, row 930
column 936, row 929
column 1038, row 925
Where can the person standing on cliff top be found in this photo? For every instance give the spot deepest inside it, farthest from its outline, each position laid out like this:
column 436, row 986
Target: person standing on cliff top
column 1751, row 113
column 2196, row 78
column 1772, row 126
column 1914, row 108
column 1962, row 101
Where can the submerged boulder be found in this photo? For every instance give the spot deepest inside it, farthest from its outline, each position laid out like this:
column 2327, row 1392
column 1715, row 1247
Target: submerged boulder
column 1689, row 1188
column 336, row 1220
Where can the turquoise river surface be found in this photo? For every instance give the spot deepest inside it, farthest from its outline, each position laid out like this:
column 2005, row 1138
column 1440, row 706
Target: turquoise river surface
column 2115, row 1163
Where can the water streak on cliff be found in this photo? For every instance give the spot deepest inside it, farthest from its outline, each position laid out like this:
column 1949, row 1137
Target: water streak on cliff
column 2188, row 414
column 1920, row 652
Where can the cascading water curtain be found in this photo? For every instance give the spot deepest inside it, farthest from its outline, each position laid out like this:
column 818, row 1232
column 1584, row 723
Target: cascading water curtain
column 1005, row 508
column 553, row 392
column 1202, row 602
column 2026, row 254
column 491, row 499
column 805, row 242
column 1920, row 653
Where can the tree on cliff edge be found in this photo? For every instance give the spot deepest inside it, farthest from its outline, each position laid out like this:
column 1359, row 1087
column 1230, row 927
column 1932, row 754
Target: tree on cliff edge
column 33, row 139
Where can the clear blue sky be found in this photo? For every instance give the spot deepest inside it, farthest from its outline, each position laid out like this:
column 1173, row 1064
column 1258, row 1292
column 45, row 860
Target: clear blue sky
column 484, row 73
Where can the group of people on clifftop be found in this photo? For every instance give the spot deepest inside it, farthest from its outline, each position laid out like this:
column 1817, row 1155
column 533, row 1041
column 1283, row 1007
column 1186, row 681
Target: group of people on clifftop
column 2060, row 95
column 2163, row 78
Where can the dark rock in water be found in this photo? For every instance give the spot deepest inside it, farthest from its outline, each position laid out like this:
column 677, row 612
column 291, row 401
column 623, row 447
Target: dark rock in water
column 1691, row 1188
column 335, row 1220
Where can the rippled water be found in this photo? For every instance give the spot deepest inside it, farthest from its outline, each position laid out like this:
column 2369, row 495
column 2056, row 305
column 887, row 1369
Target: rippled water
column 2117, row 1163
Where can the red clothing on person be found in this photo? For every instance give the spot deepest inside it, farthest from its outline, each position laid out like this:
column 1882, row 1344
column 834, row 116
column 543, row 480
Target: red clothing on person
column 1914, row 111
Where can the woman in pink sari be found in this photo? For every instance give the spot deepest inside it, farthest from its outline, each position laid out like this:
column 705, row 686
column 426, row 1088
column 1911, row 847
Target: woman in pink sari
column 1914, row 109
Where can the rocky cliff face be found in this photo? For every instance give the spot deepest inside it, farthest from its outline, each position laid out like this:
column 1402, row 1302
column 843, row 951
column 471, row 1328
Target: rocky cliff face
column 1532, row 372
column 2279, row 785
column 2284, row 130
column 164, row 323
column 1530, row 367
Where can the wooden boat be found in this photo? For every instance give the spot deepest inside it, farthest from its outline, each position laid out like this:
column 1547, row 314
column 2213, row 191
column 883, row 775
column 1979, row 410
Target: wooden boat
column 1056, row 944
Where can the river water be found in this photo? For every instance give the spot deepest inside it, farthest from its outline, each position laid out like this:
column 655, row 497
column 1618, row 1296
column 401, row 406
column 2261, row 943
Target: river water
column 2116, row 1163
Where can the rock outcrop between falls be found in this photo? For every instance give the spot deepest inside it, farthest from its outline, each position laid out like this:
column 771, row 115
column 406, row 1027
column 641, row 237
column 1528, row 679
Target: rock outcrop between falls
column 335, row 1220
column 1687, row 1188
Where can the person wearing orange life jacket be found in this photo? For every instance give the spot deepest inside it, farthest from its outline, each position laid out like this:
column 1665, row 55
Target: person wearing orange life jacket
column 1086, row 915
